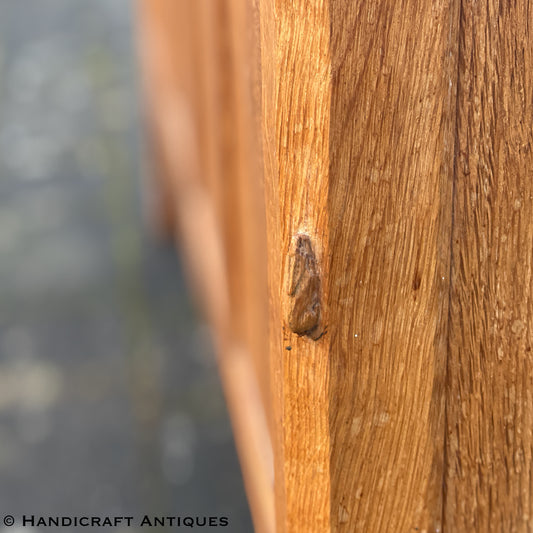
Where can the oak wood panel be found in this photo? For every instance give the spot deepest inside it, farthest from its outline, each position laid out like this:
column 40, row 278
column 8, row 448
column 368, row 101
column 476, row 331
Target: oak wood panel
column 391, row 147
column 295, row 69
column 196, row 78
column 268, row 83
column 244, row 119
column 489, row 483
column 364, row 100
column 361, row 127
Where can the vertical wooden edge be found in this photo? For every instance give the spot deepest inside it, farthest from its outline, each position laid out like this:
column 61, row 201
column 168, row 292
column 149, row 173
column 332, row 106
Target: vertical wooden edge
column 157, row 198
column 251, row 433
column 251, row 272
column 268, row 40
column 303, row 79
column 179, row 132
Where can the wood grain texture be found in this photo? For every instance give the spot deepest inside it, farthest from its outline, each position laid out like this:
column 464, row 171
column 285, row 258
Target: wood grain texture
column 396, row 158
column 296, row 69
column 364, row 101
column 391, row 144
column 489, row 483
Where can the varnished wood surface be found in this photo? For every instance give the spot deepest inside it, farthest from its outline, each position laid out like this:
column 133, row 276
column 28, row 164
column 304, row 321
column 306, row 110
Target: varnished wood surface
column 298, row 122
column 391, row 150
column 364, row 144
column 387, row 373
column 489, row 438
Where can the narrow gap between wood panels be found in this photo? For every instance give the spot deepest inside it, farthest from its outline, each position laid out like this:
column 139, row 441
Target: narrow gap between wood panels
column 458, row 51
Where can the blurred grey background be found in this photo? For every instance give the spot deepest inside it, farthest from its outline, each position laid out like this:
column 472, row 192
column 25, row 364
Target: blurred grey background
column 110, row 402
